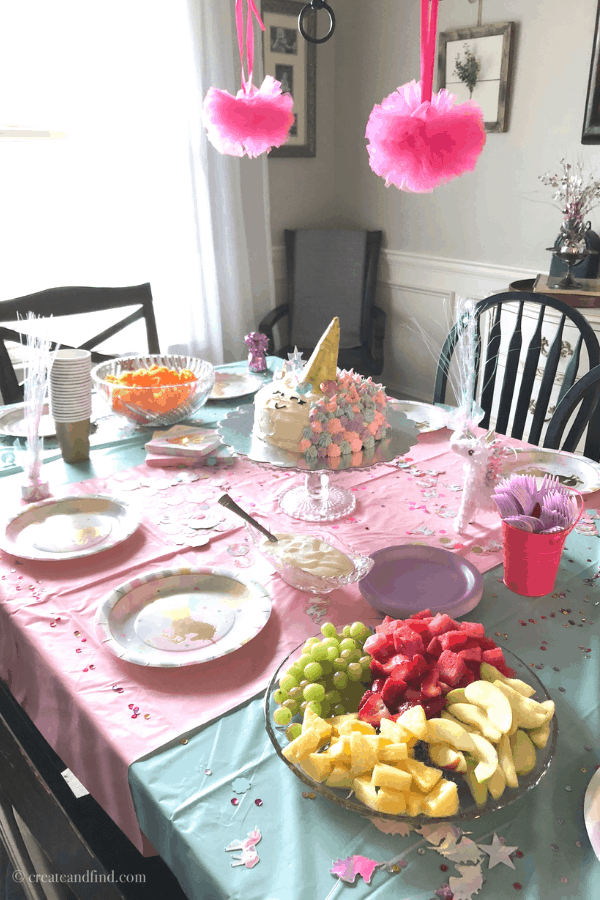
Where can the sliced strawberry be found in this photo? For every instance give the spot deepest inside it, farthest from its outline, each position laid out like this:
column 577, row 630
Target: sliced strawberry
column 487, row 643
column 434, row 706
column 412, row 694
column 420, row 666
column 402, row 671
column 380, row 646
column 406, row 704
column 425, row 613
column 473, row 629
column 468, row 678
column 451, row 667
column 377, row 669
column 453, row 640
column 442, row 623
column 378, row 683
column 372, row 709
column 393, row 692
column 430, row 686
column 408, row 641
column 474, row 642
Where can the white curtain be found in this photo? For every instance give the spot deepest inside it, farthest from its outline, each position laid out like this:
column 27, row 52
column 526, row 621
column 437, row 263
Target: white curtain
column 134, row 192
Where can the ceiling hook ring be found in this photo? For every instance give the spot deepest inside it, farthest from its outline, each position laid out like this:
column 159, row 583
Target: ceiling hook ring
column 316, row 5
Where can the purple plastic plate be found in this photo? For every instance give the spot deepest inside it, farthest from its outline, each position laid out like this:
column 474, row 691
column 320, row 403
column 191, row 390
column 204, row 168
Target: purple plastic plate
column 409, row 578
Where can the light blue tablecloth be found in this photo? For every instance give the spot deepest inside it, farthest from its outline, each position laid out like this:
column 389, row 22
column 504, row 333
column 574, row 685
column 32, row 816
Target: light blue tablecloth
column 183, row 792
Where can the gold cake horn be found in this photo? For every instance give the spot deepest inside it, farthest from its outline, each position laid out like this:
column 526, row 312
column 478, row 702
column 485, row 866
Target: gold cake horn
column 322, row 365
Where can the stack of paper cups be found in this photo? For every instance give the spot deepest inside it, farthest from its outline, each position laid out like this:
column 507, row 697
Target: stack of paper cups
column 71, row 402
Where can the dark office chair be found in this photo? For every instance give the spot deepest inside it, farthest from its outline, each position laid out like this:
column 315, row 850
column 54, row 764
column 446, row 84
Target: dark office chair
column 526, row 362
column 332, row 273
column 586, row 392
column 74, row 834
column 68, row 301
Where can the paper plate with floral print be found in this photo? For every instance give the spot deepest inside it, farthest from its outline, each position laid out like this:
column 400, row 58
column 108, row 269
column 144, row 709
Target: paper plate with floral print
column 13, row 424
column 233, row 383
column 182, row 617
column 68, row 527
column 572, row 470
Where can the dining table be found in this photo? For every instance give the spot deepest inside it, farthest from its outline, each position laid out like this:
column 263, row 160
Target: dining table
column 179, row 756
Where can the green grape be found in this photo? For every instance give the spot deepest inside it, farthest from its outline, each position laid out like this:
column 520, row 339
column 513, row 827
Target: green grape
column 304, row 660
column 293, row 731
column 347, row 654
column 354, row 671
column 282, row 716
column 365, row 675
column 328, row 629
column 313, row 671
column 325, row 709
column 330, row 642
column 340, row 663
column 333, row 697
column 296, row 693
column 302, row 684
column 318, row 652
column 365, row 661
column 303, row 706
column 295, row 671
column 340, row 680
column 292, row 705
column 313, row 692
column 326, row 667
column 346, row 631
column 358, row 631
column 288, row 682
column 338, row 710
column 279, row 696
column 315, row 706
column 332, row 653
column 347, row 644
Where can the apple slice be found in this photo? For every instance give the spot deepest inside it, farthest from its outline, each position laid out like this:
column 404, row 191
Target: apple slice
column 491, row 673
column 540, row 735
column 478, row 790
column 493, row 701
column 527, row 713
column 505, row 758
column 486, row 756
column 523, row 752
column 448, row 758
column 497, row 783
column 443, row 731
column 474, row 715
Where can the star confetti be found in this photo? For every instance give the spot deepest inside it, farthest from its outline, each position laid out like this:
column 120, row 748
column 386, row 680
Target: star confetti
column 469, row 883
column 347, row 869
column 498, row 852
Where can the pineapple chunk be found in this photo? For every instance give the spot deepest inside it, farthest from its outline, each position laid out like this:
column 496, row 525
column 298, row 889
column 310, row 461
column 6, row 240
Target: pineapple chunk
column 393, row 753
column 340, row 751
column 363, row 754
column 442, row 800
column 391, row 777
column 389, row 801
column 394, row 731
column 336, row 721
column 424, row 777
column 415, row 721
column 313, row 722
column 339, row 777
column 365, row 791
column 306, row 743
column 413, row 802
column 317, row 766
column 356, row 725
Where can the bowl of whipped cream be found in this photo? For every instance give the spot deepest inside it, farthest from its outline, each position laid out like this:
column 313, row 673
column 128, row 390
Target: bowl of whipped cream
column 314, row 562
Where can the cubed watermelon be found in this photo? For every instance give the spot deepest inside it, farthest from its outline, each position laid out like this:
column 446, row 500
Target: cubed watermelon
column 434, row 647
column 384, row 626
column 453, row 640
column 421, row 666
column 487, row 643
column 472, row 654
column 403, row 670
column 425, row 613
column 380, row 646
column 451, row 667
column 442, row 623
column 377, row 669
column 494, row 657
column 473, row 629
column 468, row 678
column 422, row 628
column 408, row 641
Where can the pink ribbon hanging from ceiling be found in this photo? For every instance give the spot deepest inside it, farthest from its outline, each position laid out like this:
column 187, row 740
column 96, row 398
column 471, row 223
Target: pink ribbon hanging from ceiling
column 256, row 119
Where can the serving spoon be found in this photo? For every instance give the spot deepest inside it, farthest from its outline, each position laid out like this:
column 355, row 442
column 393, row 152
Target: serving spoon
column 228, row 503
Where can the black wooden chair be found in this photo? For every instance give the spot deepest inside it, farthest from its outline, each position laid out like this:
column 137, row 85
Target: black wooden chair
column 585, row 393
column 332, row 273
column 69, row 301
column 513, row 399
column 75, row 834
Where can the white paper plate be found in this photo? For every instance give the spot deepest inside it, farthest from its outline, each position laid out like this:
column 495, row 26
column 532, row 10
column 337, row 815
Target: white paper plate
column 68, row 527
column 182, row 617
column 233, row 383
column 574, row 471
column 12, row 421
column 591, row 812
column 426, row 416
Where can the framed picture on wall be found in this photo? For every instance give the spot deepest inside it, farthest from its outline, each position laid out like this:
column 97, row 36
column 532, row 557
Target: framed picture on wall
column 474, row 63
column 292, row 61
column 591, row 120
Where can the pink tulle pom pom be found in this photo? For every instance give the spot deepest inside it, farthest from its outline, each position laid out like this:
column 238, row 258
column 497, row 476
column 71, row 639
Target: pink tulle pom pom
column 418, row 146
column 250, row 123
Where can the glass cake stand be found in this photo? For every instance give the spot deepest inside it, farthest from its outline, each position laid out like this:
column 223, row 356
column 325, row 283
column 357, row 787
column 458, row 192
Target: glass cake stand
column 317, row 499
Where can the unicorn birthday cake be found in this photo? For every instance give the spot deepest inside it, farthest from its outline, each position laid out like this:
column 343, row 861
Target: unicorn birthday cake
column 319, row 411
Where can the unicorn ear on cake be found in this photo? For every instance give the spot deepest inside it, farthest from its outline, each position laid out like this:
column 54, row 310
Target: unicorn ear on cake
column 322, row 365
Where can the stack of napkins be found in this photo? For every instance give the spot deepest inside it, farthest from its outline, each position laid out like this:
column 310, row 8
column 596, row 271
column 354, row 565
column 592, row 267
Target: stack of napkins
column 182, row 445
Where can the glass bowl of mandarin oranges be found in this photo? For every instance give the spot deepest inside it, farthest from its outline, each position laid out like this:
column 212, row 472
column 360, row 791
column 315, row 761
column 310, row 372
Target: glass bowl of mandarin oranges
column 156, row 389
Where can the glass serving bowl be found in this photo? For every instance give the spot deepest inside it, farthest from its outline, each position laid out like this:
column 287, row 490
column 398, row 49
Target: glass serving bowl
column 159, row 404
column 305, row 580
column 468, row 808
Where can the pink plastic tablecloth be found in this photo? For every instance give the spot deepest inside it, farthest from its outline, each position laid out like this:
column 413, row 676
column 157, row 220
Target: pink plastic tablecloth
column 83, row 699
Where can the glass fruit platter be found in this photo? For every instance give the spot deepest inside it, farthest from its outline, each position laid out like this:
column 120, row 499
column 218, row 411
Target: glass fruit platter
column 283, row 726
